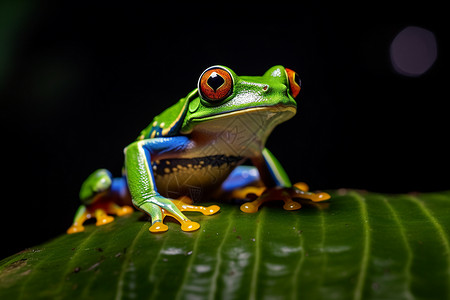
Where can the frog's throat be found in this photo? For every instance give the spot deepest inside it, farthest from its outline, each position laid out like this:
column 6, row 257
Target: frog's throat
column 288, row 111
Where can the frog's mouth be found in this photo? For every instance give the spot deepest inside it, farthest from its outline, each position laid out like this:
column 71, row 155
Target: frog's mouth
column 287, row 110
column 261, row 117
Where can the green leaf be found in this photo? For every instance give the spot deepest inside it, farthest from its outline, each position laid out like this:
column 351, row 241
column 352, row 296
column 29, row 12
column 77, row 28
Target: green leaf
column 358, row 245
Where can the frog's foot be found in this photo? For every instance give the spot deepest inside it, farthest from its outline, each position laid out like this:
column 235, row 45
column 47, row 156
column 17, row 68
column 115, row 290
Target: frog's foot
column 186, row 224
column 243, row 193
column 75, row 228
column 100, row 212
column 184, row 203
column 102, row 217
column 87, row 214
column 174, row 208
column 120, row 210
column 158, row 227
column 277, row 193
column 299, row 190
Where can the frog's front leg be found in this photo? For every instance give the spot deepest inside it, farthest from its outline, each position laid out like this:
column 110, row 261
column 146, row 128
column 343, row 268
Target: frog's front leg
column 278, row 186
column 142, row 185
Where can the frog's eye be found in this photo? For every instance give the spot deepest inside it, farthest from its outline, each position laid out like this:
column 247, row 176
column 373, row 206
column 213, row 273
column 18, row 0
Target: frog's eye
column 294, row 82
column 215, row 84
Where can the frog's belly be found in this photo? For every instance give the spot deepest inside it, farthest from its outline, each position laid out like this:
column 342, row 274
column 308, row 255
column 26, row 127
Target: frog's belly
column 199, row 178
column 216, row 148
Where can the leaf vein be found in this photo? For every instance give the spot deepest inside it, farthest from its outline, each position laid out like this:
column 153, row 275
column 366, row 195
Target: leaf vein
column 409, row 252
column 322, row 248
column 440, row 231
column 77, row 252
column 151, row 276
column 215, row 276
column 299, row 264
column 125, row 263
column 254, row 282
column 24, row 284
column 366, row 250
column 189, row 265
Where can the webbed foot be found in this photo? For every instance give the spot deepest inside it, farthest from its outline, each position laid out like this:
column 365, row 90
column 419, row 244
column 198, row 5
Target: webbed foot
column 299, row 190
column 100, row 212
column 186, row 204
column 174, row 208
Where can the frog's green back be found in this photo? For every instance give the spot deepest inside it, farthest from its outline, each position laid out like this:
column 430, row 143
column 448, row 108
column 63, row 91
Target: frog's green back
column 169, row 121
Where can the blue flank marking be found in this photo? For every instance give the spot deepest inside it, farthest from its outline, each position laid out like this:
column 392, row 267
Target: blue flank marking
column 165, row 144
column 240, row 177
column 160, row 146
column 119, row 186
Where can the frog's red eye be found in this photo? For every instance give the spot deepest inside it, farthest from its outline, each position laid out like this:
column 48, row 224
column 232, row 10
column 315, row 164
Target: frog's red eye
column 294, row 82
column 215, row 84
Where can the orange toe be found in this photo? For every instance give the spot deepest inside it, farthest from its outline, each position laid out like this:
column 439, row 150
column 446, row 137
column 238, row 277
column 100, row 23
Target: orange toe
column 302, row 186
column 249, row 207
column 158, row 227
column 210, row 210
column 320, row 197
column 104, row 220
column 124, row 210
column 75, row 229
column 291, row 205
column 190, row 226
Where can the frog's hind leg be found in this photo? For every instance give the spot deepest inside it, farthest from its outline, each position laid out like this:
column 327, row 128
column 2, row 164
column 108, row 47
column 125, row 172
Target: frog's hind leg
column 84, row 213
column 99, row 194
column 239, row 186
column 107, row 205
column 240, row 177
column 239, row 182
column 119, row 194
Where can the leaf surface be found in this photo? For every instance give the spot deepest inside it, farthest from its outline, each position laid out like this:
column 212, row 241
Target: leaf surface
column 358, row 245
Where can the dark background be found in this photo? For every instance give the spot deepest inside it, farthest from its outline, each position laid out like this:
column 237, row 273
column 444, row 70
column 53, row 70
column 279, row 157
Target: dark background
column 79, row 81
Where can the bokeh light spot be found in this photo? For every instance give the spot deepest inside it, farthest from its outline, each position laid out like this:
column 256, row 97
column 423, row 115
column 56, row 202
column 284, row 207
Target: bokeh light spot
column 413, row 51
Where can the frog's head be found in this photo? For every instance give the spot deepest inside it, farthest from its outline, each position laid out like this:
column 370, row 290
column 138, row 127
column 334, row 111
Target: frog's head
column 221, row 94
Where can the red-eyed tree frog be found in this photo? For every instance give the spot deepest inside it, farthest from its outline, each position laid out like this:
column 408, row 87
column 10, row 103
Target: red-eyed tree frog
column 196, row 150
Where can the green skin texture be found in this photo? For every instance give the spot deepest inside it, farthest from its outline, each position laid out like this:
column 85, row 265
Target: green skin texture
column 181, row 119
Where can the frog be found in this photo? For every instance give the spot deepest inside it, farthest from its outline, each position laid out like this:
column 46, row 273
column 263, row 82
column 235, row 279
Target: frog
column 209, row 144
